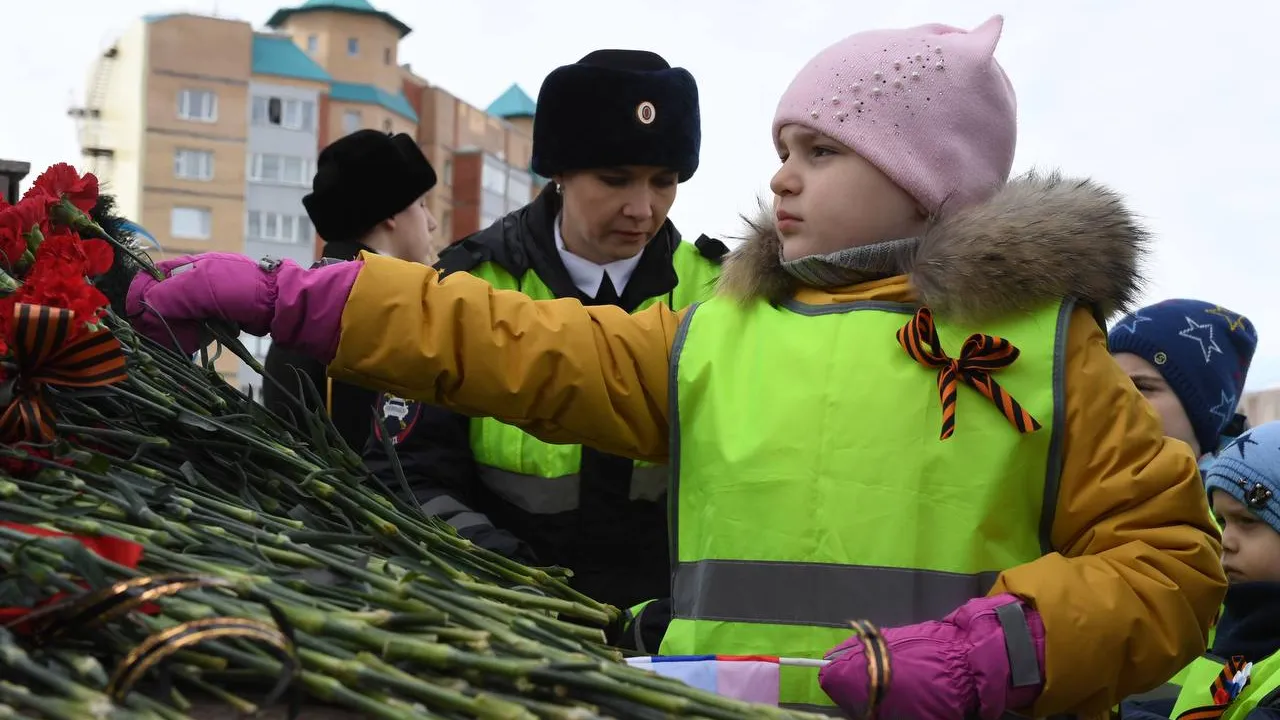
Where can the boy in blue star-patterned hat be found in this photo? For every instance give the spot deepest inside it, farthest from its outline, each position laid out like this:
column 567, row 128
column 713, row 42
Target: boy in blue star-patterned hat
column 1190, row 359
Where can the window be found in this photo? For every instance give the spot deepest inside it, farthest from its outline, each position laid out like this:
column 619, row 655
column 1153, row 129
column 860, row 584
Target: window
column 386, row 125
column 519, row 188
column 289, row 114
column 494, row 176
column 447, row 175
column 313, row 44
column 298, row 114
column 386, row 56
column 350, row 121
column 259, row 111
column 294, row 170
column 198, row 105
column 493, row 181
column 492, row 204
column 283, row 169
column 278, row 227
column 268, row 168
column 353, row 46
column 192, row 164
column 191, row 223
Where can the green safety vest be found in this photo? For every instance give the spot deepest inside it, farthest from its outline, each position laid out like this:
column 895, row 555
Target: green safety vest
column 1196, row 701
column 810, row 486
column 542, row 478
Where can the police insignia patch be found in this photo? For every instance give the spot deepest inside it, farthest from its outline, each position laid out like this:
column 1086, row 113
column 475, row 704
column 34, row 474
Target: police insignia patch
column 396, row 418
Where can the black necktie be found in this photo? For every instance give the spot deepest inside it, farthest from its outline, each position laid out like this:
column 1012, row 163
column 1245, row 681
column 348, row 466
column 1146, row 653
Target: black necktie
column 606, row 295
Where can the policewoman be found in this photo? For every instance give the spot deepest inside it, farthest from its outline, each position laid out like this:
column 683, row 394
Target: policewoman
column 616, row 132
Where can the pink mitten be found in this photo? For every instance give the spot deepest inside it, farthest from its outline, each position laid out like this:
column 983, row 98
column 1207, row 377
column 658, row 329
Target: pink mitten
column 982, row 660
column 301, row 309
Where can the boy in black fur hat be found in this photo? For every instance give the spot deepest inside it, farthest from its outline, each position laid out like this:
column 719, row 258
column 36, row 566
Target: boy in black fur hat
column 369, row 193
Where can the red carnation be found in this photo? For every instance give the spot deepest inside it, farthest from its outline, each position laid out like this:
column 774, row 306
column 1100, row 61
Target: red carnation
column 57, row 279
column 62, row 180
column 16, row 221
column 12, row 243
column 53, row 287
column 66, row 253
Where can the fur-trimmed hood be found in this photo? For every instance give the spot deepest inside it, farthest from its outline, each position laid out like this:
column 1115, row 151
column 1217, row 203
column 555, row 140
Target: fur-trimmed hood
column 1040, row 238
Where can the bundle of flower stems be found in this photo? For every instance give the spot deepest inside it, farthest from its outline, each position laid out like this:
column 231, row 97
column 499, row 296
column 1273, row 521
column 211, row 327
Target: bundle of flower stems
column 274, row 570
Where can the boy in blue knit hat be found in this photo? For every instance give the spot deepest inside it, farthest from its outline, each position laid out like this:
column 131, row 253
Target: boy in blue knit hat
column 1190, row 359
column 1240, row 678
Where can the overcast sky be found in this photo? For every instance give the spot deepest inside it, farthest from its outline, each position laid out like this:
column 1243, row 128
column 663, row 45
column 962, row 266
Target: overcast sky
column 1173, row 103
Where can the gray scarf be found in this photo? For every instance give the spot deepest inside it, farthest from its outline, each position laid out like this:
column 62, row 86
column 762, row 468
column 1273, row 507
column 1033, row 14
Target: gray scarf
column 852, row 265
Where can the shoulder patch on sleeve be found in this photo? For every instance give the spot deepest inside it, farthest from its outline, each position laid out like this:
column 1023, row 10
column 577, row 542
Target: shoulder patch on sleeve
column 396, row 417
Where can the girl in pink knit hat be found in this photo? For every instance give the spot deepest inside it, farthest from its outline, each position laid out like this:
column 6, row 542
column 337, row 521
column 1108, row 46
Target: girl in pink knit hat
column 898, row 409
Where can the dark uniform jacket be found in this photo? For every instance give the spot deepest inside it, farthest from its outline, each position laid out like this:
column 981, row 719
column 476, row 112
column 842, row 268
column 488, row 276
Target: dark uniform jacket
column 616, row 546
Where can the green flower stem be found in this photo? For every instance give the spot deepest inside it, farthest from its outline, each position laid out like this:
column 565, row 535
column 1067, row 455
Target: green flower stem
column 55, row 708
column 194, row 679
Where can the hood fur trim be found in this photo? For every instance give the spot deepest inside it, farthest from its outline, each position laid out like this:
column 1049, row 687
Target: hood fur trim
column 1040, row 238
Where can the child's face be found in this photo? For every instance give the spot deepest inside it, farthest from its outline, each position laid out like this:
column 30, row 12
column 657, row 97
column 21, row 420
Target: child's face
column 1250, row 547
column 827, row 198
column 1151, row 383
column 410, row 232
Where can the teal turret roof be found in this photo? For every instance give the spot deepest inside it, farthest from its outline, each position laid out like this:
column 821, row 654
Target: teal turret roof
column 513, row 103
column 354, row 7
column 273, row 55
column 370, row 95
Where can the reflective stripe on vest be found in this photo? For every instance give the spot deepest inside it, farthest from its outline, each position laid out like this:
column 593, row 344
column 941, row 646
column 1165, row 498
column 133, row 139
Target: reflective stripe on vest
column 542, row 478
column 1196, row 701
column 811, row 487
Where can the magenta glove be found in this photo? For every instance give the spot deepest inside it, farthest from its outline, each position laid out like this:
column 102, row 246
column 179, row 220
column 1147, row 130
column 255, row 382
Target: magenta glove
column 982, row 660
column 301, row 309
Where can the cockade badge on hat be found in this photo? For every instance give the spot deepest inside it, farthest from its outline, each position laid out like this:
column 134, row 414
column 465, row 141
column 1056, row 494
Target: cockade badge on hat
column 646, row 113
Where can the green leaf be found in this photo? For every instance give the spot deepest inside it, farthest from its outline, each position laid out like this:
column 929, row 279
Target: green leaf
column 97, row 464
column 131, row 497
column 75, row 556
column 193, row 420
column 192, row 475
column 33, row 237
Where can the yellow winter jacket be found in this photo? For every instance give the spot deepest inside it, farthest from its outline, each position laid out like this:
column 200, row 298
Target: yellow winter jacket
column 1128, row 596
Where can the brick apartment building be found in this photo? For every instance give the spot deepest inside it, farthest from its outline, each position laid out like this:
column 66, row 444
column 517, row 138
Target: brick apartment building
column 207, row 130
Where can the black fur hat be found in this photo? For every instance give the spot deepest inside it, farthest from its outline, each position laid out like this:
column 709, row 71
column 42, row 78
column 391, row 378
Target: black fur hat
column 363, row 179
column 617, row 107
column 115, row 282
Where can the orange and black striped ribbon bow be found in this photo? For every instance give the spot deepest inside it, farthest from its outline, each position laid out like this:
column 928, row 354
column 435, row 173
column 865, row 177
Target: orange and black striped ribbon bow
column 979, row 357
column 49, row 349
column 1221, row 691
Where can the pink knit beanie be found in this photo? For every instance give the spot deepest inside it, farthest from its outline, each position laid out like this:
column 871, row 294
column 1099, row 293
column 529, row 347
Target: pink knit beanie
column 928, row 105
